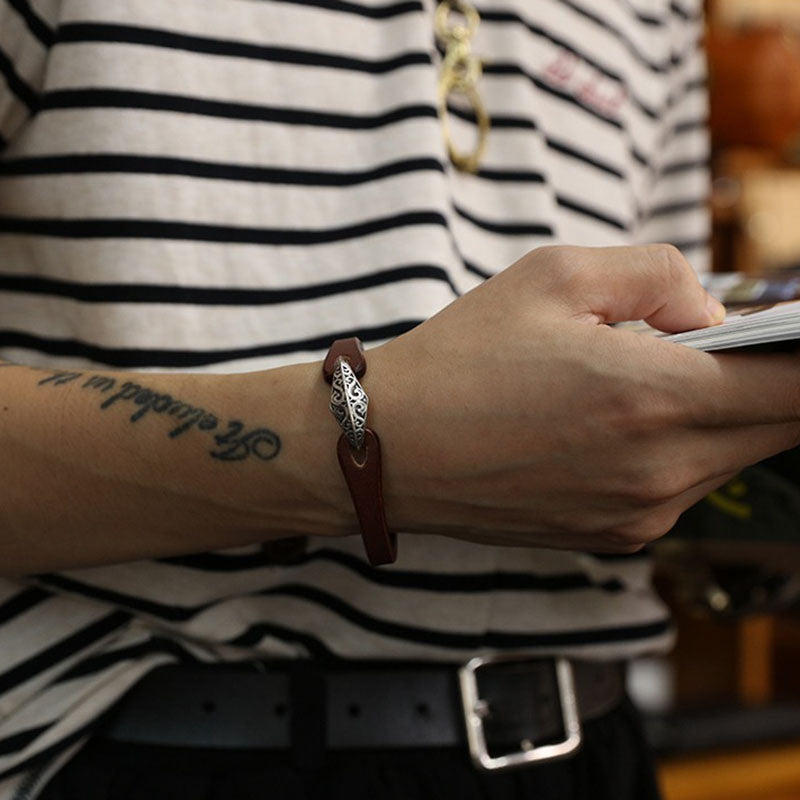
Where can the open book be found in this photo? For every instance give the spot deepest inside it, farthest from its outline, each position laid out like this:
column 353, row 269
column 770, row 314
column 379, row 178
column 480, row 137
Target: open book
column 757, row 325
column 761, row 310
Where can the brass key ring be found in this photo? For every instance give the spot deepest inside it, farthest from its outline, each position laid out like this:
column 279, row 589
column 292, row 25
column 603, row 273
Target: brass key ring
column 444, row 31
column 460, row 73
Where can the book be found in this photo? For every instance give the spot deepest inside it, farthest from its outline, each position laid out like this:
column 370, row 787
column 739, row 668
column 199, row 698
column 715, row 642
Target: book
column 756, row 325
column 762, row 310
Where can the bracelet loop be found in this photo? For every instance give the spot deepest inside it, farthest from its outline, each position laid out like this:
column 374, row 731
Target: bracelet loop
column 359, row 449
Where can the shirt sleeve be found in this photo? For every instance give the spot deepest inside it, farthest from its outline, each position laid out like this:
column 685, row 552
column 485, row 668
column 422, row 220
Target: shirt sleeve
column 677, row 205
column 26, row 35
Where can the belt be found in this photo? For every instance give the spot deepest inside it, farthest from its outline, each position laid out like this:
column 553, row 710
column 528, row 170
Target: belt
column 507, row 710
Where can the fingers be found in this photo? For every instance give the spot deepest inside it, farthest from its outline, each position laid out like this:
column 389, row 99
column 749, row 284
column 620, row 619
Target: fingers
column 742, row 390
column 691, row 458
column 698, row 493
column 705, row 390
column 721, row 451
column 688, row 468
column 654, row 283
column 661, row 520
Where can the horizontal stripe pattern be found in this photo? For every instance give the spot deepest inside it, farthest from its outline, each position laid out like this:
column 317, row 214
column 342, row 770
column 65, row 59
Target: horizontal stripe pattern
column 36, row 24
column 122, row 228
column 77, row 164
column 230, row 185
column 376, row 11
column 127, row 34
column 139, row 358
column 362, row 611
column 174, row 294
column 251, row 112
column 24, row 42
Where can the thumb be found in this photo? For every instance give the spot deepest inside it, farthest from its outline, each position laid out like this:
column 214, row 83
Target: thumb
column 654, row 283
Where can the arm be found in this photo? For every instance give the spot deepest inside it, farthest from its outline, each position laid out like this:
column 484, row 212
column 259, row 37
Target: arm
column 515, row 416
column 105, row 466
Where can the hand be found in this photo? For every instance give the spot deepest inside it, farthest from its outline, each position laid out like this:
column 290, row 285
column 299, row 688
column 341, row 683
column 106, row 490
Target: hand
column 518, row 416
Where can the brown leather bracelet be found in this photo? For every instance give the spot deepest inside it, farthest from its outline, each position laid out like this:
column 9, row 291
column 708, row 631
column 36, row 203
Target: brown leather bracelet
column 361, row 466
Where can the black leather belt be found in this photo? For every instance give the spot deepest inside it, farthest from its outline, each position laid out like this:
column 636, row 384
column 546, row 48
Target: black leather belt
column 519, row 707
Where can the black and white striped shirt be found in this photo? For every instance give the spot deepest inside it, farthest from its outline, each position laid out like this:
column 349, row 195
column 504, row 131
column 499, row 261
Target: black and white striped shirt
column 229, row 185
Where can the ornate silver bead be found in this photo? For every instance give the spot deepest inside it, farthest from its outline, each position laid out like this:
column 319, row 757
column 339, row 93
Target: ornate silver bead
column 349, row 403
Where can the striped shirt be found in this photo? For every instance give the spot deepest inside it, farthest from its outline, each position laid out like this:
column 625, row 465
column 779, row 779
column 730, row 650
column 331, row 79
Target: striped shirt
column 229, row 185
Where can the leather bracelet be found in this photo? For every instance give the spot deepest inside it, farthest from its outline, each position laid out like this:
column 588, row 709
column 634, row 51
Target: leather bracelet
column 359, row 449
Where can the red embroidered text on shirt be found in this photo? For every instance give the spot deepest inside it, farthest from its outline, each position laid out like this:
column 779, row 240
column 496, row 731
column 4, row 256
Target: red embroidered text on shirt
column 570, row 72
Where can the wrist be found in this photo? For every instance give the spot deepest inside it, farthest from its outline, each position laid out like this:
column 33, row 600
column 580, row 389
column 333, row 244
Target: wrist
column 307, row 494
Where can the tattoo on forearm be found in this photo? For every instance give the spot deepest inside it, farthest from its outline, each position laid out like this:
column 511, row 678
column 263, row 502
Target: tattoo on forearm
column 236, row 443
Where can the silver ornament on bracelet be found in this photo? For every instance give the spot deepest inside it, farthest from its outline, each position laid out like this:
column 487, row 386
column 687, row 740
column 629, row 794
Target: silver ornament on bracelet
column 349, row 403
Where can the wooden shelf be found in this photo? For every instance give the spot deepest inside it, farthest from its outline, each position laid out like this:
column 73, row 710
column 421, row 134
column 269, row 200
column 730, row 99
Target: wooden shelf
column 771, row 773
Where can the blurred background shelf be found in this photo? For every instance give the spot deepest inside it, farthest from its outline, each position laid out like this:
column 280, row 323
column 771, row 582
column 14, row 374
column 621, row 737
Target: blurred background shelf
column 765, row 773
column 723, row 710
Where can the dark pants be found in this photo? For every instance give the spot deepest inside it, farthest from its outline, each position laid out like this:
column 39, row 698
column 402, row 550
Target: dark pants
column 613, row 764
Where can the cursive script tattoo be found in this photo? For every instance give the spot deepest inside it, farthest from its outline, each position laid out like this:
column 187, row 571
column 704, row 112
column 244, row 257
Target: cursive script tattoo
column 60, row 378
column 236, row 443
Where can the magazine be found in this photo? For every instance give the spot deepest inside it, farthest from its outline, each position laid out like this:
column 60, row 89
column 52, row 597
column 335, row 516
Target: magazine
column 761, row 310
column 753, row 325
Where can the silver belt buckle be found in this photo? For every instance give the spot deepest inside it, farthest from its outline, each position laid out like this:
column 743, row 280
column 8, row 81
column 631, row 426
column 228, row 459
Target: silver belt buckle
column 475, row 709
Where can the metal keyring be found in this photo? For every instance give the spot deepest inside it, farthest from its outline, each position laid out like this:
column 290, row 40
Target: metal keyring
column 446, row 32
column 460, row 73
column 469, row 162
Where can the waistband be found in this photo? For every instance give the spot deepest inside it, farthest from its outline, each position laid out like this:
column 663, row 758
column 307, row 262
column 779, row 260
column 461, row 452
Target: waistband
column 526, row 705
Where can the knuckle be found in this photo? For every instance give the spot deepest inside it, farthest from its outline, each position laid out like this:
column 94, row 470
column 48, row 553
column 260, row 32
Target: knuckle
column 642, row 411
column 625, row 538
column 565, row 267
column 661, row 523
column 636, row 534
column 671, row 260
column 629, row 549
column 659, row 487
column 637, row 415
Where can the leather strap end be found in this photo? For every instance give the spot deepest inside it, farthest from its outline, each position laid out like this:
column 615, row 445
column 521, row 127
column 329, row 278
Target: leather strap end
column 352, row 350
column 362, row 472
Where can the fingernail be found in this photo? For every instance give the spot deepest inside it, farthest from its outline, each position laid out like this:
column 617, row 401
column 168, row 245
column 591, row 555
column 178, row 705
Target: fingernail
column 715, row 309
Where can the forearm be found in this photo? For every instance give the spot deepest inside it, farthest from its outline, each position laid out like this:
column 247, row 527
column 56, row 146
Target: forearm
column 496, row 416
column 100, row 467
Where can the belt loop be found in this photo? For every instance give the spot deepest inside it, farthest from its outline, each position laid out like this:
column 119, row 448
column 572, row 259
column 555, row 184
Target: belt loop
column 308, row 714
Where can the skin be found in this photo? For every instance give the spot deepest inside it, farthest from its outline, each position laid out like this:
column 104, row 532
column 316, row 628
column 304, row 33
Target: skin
column 514, row 416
